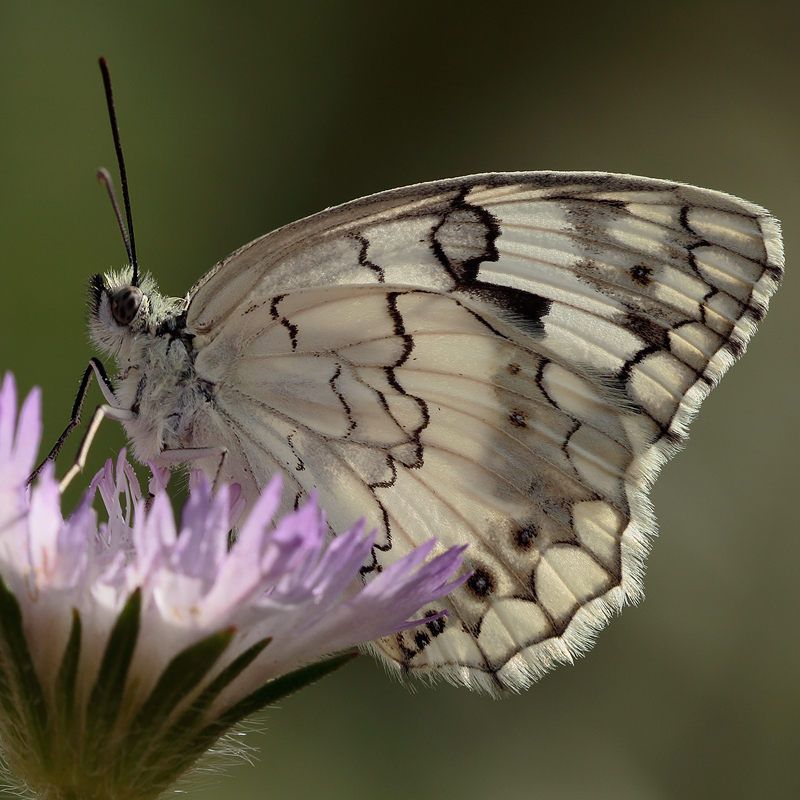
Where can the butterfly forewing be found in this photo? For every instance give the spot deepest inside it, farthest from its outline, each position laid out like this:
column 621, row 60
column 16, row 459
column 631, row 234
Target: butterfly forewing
column 503, row 360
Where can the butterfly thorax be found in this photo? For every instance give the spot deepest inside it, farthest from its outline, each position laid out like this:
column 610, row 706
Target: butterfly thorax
column 156, row 379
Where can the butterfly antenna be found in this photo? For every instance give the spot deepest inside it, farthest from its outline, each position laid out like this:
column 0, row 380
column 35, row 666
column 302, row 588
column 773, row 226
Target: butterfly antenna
column 105, row 178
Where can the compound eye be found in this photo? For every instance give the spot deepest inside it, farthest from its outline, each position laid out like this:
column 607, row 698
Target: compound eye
column 125, row 304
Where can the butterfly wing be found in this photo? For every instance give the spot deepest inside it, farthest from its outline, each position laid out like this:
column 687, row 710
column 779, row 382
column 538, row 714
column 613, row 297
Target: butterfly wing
column 504, row 360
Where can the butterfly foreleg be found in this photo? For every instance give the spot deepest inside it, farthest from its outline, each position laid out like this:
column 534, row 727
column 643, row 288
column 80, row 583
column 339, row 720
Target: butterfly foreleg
column 95, row 367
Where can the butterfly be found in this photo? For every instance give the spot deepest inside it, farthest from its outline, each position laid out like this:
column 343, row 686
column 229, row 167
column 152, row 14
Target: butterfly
column 504, row 360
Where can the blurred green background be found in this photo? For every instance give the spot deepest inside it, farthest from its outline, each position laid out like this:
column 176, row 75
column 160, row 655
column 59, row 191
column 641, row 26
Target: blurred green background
column 240, row 117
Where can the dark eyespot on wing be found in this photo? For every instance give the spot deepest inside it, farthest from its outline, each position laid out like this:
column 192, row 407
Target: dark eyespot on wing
column 642, row 274
column 421, row 640
column 524, row 538
column 518, row 418
column 436, row 626
column 481, row 583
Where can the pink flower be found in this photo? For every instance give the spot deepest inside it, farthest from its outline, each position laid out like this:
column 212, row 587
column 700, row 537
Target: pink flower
column 127, row 648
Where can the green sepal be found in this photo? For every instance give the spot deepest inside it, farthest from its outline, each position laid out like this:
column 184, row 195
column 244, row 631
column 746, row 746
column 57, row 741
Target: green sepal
column 180, row 736
column 23, row 698
column 272, row 692
column 8, row 707
column 183, row 673
column 106, row 697
column 188, row 721
column 66, row 680
column 266, row 695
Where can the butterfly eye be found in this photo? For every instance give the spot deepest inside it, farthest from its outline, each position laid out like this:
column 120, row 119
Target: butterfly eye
column 125, row 304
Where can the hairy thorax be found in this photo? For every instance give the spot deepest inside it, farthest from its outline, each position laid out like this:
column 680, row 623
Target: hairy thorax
column 159, row 384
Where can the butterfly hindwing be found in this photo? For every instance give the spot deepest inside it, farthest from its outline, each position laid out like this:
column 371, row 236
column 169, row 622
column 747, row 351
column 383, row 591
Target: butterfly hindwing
column 504, row 360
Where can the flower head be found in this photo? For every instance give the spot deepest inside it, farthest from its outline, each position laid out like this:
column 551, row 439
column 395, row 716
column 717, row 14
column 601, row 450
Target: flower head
column 128, row 647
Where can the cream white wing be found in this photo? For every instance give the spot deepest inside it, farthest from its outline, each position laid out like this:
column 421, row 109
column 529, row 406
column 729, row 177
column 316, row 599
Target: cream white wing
column 504, row 360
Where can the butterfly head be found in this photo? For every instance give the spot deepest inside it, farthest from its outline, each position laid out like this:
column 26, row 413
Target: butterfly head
column 121, row 312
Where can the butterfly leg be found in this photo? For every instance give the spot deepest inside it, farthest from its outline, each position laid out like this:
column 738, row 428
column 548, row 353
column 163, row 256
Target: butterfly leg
column 95, row 367
column 100, row 413
column 188, row 454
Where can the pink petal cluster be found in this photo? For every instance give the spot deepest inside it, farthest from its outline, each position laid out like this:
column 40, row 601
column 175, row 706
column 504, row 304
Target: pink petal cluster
column 280, row 580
